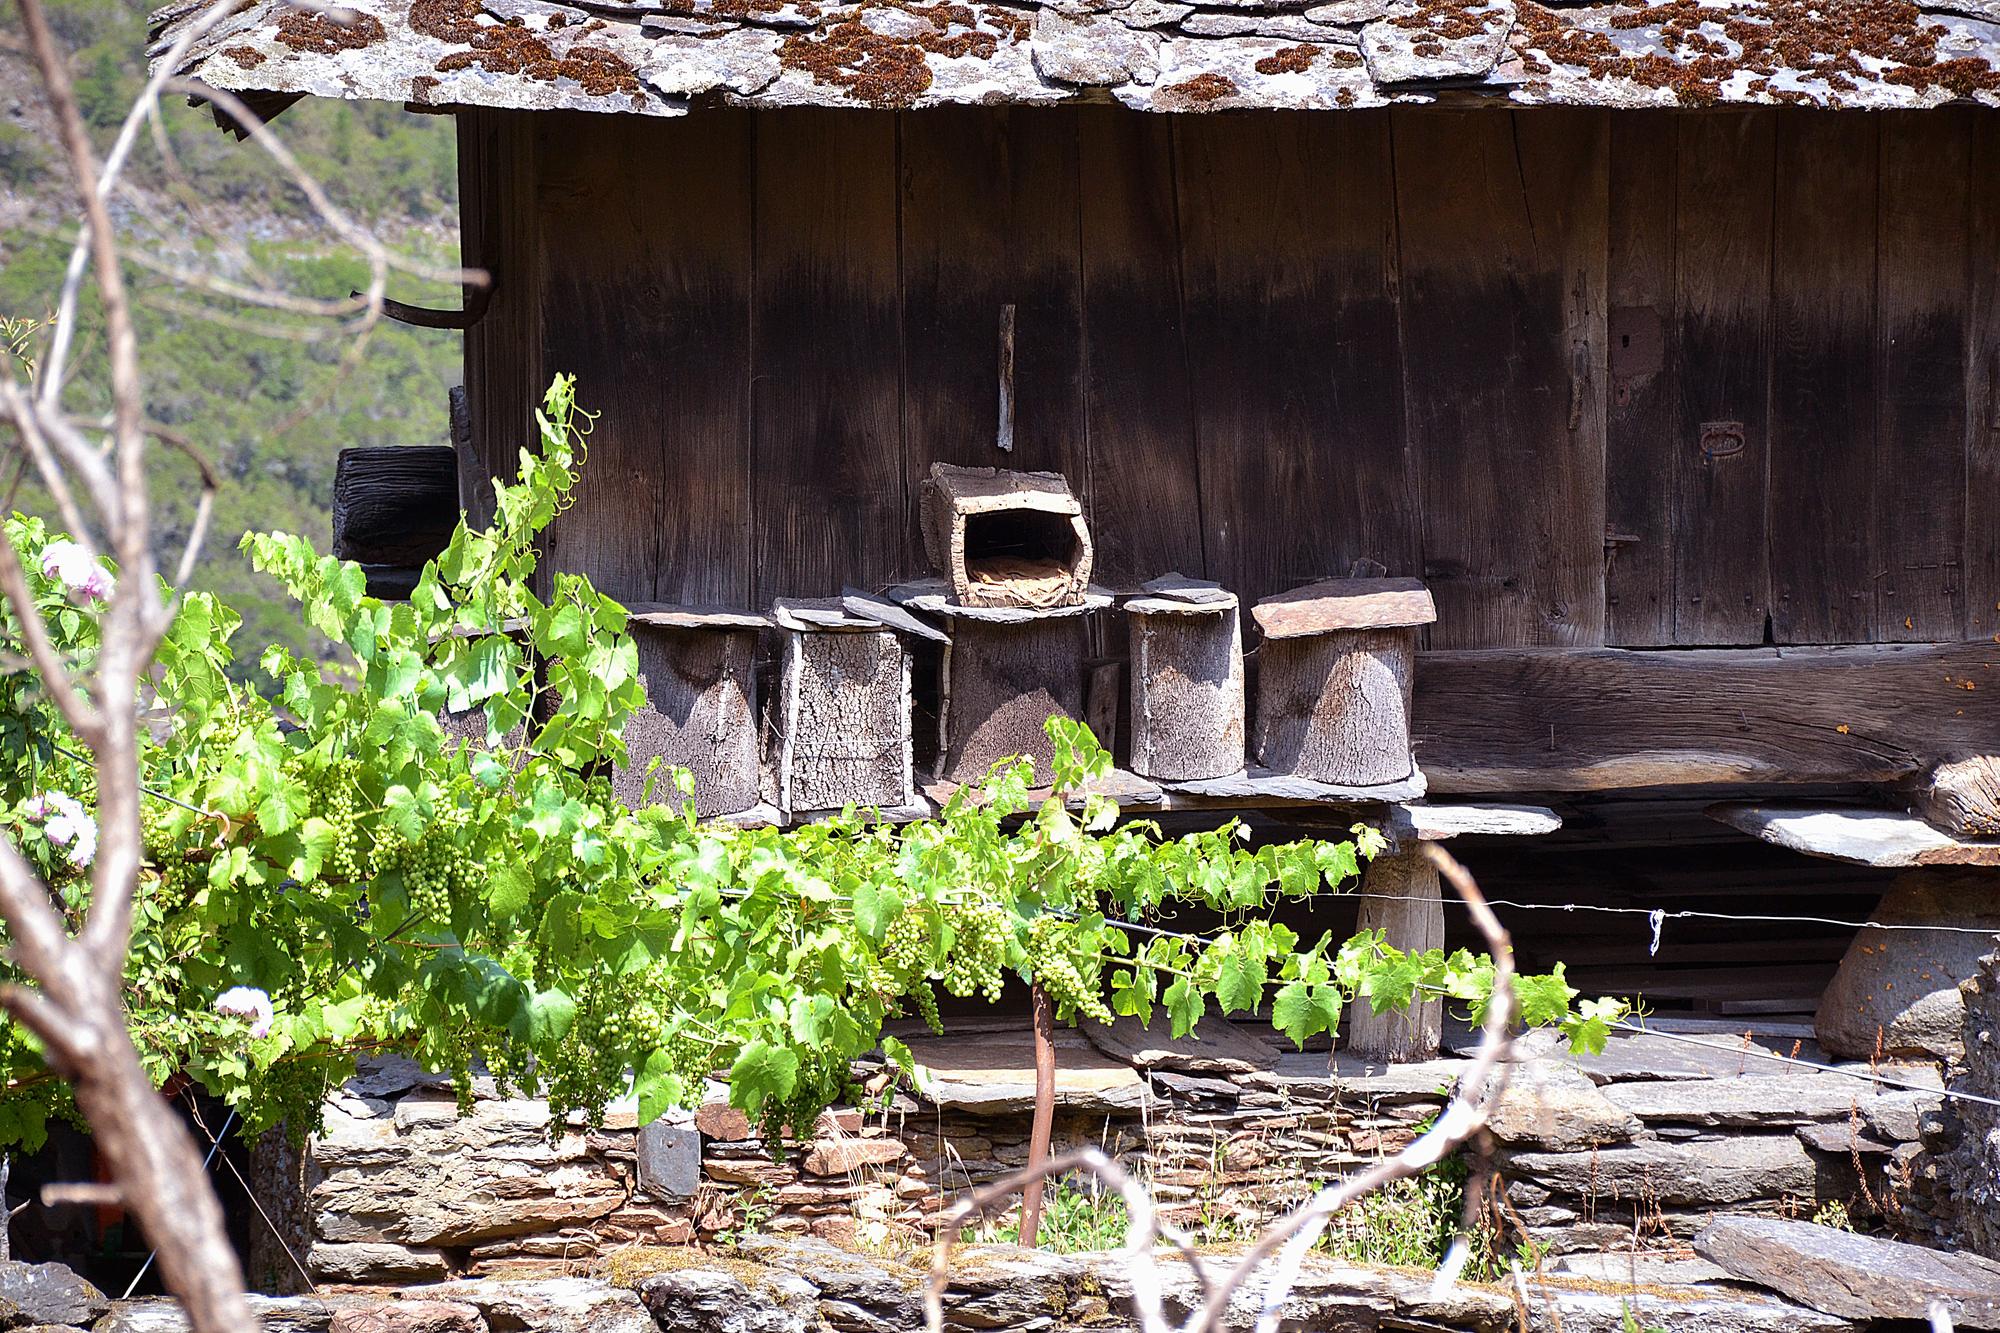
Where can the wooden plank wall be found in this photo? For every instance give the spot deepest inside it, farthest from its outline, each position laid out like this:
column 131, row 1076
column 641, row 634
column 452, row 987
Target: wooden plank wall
column 1636, row 379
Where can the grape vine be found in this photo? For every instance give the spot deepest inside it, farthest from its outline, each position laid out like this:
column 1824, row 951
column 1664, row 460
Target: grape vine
column 331, row 871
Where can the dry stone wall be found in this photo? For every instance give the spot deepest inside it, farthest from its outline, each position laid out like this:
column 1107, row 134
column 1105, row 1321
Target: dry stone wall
column 1641, row 1145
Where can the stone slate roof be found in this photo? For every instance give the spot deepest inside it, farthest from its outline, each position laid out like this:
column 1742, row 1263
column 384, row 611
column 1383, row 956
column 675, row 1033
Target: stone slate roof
column 659, row 57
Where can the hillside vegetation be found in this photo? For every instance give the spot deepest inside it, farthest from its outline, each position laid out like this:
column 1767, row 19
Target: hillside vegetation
column 272, row 412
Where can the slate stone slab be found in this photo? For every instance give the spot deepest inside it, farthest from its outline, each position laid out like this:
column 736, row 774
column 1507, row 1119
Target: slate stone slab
column 1855, row 1277
column 669, row 1157
column 1726, row 1171
column 1551, row 1105
column 1216, row 1046
column 47, row 1294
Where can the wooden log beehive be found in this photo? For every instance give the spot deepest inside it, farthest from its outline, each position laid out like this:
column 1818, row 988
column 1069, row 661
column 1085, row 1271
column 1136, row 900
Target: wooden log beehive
column 842, row 723
column 1006, row 538
column 701, row 709
column 1187, row 681
column 1334, row 679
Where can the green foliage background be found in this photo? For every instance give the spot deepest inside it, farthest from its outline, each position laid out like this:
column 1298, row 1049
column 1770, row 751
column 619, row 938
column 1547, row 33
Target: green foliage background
column 229, row 386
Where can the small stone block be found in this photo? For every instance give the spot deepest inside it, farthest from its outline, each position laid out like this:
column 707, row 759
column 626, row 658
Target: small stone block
column 669, row 1159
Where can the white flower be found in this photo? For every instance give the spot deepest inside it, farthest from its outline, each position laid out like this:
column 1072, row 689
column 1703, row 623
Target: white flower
column 247, row 1003
column 73, row 567
column 65, row 823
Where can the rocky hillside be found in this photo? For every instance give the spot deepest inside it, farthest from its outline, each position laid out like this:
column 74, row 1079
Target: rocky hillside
column 266, row 396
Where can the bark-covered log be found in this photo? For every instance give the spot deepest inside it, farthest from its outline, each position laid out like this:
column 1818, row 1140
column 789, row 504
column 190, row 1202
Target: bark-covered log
column 844, row 721
column 1004, row 538
column 1187, row 689
column 394, row 505
column 700, row 715
column 1405, row 904
column 1001, row 683
column 1336, row 707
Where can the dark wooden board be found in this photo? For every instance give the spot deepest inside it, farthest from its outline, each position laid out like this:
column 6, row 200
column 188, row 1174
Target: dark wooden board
column 1288, row 239
column 828, row 490
column 1823, row 392
column 1502, row 236
column 499, row 233
column 1641, row 423
column 1982, row 455
column 1720, row 439
column 394, row 504
column 1145, row 492
column 989, row 216
column 1520, row 721
column 1921, row 337
column 1920, row 447
column 654, row 281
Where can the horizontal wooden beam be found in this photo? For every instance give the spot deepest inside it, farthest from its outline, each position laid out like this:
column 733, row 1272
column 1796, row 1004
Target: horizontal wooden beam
column 394, row 505
column 1510, row 720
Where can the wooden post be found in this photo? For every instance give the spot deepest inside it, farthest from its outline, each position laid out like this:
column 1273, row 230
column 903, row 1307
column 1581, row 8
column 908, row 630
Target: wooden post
column 1043, row 1128
column 1406, row 905
column 1961, row 796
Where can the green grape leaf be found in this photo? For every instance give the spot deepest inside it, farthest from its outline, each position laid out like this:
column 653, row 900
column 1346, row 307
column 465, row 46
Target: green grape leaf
column 1302, row 1010
column 762, row 1072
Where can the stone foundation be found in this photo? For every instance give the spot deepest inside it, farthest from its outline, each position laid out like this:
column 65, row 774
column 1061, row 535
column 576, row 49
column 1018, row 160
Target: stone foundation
column 1637, row 1147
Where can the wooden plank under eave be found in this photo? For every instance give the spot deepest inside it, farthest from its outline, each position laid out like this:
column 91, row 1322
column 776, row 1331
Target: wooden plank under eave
column 1642, row 434
column 1586, row 720
column 1721, row 436
column 1920, row 447
column 1982, row 389
column 1501, row 222
column 989, row 212
column 648, row 297
column 1287, row 242
column 1145, row 492
column 827, row 464
column 1824, row 381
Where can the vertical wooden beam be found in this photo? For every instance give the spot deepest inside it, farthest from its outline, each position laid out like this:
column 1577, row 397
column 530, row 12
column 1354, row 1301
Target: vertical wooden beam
column 1982, row 387
column 989, row 216
column 1920, row 448
column 1824, row 381
column 1287, row 238
column 1642, row 425
column 1720, row 441
column 827, row 354
column 1502, row 219
column 1407, row 906
column 1145, row 493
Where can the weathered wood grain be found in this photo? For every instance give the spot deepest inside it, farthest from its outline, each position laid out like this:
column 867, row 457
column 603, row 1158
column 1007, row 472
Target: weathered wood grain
column 1982, row 389
column 1288, row 239
column 828, row 498
column 1960, row 797
column 1145, row 491
column 1336, row 707
column 1824, row 381
column 1641, row 424
column 1502, row 236
column 394, row 504
column 700, row 715
column 1918, row 540
column 1345, row 604
column 1406, row 904
column 1721, row 434
column 1001, row 684
column 499, row 232
column 989, row 217
column 1187, row 689
column 844, row 722
column 653, row 282
column 1519, row 721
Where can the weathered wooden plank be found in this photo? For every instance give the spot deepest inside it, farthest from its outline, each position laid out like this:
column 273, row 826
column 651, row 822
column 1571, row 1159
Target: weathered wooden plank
column 1721, row 433
column 1982, row 389
column 394, row 504
column 499, row 231
column 1882, row 838
column 828, row 476
column 1519, row 721
column 1502, row 230
column 1920, row 446
column 653, row 282
column 1288, row 238
column 1824, row 382
column 1345, row 604
column 989, row 214
column 1145, row 495
column 1641, row 435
